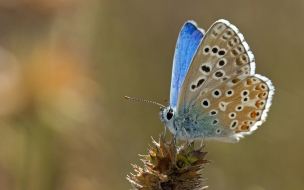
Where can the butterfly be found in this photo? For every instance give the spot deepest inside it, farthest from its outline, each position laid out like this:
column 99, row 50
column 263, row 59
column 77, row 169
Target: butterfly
column 215, row 93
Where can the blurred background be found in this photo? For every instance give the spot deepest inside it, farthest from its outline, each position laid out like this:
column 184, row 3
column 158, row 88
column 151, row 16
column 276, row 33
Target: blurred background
column 65, row 66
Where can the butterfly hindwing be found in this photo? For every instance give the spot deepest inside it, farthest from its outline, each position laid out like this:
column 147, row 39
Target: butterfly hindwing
column 188, row 41
column 237, row 106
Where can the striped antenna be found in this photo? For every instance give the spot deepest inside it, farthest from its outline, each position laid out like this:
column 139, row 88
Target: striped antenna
column 148, row 101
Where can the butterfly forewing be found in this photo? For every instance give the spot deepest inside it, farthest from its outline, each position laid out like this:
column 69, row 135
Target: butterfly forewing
column 188, row 41
column 221, row 83
column 222, row 54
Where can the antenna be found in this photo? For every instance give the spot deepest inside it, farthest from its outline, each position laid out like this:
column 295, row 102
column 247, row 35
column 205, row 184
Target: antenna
column 148, row 101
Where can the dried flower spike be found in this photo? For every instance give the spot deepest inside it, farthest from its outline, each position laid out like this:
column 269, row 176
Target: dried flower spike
column 169, row 167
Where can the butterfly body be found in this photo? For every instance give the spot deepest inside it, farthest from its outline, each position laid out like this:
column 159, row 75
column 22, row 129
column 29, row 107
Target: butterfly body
column 215, row 93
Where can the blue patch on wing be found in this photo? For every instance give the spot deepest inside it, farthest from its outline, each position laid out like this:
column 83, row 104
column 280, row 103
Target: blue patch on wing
column 188, row 41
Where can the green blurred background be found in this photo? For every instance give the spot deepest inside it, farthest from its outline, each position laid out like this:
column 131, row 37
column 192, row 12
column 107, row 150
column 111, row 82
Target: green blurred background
column 65, row 66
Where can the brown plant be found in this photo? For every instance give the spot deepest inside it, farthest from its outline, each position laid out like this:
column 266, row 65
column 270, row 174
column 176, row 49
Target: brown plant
column 170, row 167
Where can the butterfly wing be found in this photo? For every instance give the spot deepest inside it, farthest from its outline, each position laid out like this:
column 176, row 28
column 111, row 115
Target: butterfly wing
column 188, row 41
column 221, row 84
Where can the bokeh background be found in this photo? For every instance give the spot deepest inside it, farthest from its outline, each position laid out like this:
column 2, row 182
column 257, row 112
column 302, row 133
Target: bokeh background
column 65, row 66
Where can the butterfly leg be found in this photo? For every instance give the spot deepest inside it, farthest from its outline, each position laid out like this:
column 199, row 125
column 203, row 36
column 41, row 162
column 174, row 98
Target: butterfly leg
column 165, row 129
column 187, row 136
column 175, row 139
column 202, row 142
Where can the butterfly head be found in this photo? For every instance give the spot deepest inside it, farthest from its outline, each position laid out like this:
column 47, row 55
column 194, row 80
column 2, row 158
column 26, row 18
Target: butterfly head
column 167, row 115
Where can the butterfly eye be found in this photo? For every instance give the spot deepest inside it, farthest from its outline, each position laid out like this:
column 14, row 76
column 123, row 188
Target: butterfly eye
column 170, row 114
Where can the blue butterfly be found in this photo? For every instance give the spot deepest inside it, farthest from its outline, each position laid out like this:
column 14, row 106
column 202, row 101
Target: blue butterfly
column 215, row 93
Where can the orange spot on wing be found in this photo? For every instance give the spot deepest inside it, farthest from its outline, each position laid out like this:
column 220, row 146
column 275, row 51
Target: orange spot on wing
column 239, row 62
column 253, row 114
column 234, row 52
column 244, row 127
column 235, row 80
column 258, row 87
column 249, row 81
column 258, row 104
column 261, row 95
